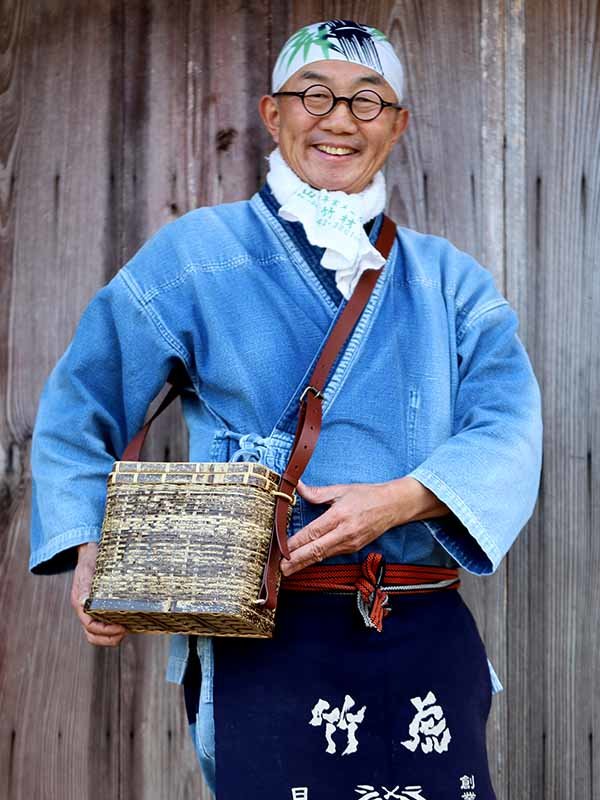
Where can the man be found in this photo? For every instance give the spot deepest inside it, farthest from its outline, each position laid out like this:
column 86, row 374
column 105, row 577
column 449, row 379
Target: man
column 429, row 456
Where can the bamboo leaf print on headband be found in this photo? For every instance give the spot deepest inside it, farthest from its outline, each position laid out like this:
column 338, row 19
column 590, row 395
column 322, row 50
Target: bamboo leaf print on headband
column 304, row 38
column 377, row 34
column 351, row 39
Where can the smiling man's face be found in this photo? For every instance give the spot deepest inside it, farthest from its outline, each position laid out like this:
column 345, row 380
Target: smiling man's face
column 304, row 139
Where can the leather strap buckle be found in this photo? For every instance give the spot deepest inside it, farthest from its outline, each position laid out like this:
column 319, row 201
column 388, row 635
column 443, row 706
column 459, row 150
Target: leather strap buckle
column 310, row 388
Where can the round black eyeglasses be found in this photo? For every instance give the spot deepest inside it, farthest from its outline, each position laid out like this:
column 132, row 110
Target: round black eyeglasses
column 319, row 100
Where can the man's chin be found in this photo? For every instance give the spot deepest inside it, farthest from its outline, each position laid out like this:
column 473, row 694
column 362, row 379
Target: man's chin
column 333, row 183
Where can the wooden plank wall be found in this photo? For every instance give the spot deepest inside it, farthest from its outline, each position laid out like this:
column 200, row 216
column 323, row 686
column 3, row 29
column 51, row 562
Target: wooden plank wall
column 116, row 117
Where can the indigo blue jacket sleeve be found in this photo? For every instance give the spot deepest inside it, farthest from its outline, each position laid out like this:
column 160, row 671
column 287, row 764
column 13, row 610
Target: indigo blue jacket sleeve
column 92, row 403
column 488, row 471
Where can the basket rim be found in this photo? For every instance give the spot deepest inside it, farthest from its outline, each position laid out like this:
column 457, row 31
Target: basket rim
column 222, row 466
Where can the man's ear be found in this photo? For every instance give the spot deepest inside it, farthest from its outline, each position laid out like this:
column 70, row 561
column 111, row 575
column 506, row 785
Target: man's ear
column 269, row 113
column 400, row 124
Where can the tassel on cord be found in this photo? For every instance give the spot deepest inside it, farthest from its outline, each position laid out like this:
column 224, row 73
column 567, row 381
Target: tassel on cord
column 372, row 600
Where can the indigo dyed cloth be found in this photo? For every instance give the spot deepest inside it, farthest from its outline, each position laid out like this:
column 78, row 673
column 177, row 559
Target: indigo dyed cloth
column 329, row 709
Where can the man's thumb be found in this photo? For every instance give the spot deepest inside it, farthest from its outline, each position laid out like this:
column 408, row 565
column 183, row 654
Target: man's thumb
column 316, row 494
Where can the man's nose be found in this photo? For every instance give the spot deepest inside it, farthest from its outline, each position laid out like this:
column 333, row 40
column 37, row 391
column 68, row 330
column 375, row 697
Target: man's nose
column 340, row 118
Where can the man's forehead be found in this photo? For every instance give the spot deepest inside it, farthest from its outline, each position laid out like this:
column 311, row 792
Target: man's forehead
column 352, row 74
column 340, row 74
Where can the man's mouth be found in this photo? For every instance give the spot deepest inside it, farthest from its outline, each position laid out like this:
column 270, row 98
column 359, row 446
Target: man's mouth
column 335, row 151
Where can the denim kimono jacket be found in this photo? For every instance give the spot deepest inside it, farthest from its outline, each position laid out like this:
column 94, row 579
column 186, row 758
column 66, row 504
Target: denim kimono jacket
column 434, row 382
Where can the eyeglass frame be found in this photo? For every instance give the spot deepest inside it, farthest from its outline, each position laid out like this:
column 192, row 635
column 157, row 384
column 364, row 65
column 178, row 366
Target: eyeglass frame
column 336, row 100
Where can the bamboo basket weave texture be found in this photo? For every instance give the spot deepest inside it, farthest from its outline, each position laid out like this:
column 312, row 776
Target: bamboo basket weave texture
column 183, row 548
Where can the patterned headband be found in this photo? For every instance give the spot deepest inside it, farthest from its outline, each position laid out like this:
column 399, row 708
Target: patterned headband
column 344, row 40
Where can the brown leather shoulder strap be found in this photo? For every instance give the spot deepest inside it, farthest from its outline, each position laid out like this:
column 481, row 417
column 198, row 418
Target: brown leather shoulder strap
column 310, row 416
column 134, row 448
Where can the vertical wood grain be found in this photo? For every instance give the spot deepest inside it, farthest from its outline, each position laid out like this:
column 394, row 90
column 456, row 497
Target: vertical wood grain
column 523, row 754
column 49, row 678
column 562, row 151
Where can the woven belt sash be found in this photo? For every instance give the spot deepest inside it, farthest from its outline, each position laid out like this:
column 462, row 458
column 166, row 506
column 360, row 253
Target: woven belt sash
column 367, row 580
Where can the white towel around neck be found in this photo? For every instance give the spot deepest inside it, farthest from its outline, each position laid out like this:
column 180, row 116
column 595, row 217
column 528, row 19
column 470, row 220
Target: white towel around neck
column 331, row 219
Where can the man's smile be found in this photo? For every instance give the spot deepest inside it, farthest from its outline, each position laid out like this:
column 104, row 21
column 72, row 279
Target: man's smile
column 335, row 150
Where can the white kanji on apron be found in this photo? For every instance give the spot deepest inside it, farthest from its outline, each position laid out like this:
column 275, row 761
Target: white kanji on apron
column 368, row 792
column 342, row 718
column 468, row 782
column 300, row 793
column 430, row 723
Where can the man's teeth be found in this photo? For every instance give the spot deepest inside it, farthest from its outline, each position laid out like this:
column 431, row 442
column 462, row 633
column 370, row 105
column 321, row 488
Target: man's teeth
column 335, row 151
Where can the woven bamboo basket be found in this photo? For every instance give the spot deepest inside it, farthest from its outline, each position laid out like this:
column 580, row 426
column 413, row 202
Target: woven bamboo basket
column 183, row 548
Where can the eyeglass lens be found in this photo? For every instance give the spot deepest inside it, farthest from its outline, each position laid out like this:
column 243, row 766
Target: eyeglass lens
column 319, row 100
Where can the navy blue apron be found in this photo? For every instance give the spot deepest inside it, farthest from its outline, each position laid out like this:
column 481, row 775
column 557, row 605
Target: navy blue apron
column 332, row 710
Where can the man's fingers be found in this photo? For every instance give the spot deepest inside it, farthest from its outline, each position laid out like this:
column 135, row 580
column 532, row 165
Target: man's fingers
column 82, row 584
column 315, row 530
column 322, row 494
column 312, row 552
column 104, row 641
column 96, row 626
column 105, row 634
column 84, row 618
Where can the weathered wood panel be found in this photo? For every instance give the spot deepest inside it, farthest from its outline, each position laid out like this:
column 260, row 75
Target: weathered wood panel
column 563, row 180
column 48, row 679
column 117, row 117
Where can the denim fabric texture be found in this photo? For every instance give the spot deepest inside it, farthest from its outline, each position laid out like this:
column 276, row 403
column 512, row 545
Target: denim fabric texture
column 434, row 382
column 199, row 711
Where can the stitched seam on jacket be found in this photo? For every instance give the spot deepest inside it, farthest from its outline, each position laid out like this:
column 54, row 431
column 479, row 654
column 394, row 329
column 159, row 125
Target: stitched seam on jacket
column 428, row 282
column 208, row 266
column 293, row 254
column 476, row 315
column 164, row 332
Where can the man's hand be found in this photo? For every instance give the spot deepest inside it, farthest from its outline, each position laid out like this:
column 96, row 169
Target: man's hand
column 96, row 632
column 359, row 513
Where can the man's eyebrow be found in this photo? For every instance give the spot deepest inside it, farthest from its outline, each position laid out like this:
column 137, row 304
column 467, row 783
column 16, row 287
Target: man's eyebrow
column 313, row 76
column 375, row 80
